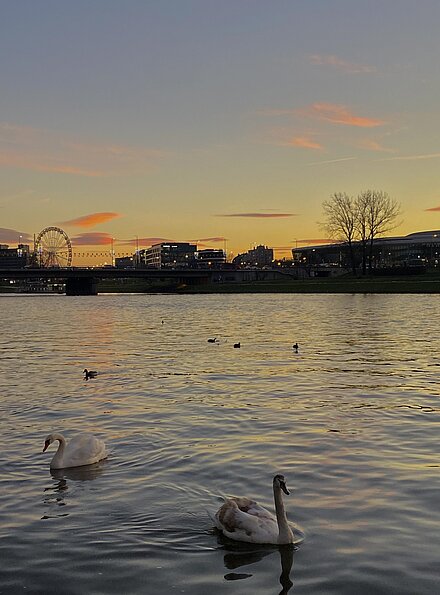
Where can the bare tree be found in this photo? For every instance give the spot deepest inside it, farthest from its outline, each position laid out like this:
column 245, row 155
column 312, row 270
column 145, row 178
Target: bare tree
column 376, row 214
column 341, row 220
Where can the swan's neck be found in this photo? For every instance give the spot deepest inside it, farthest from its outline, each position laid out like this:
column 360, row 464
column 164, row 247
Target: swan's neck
column 58, row 457
column 285, row 533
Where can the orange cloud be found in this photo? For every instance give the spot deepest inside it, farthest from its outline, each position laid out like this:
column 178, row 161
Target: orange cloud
column 340, row 64
column 435, row 209
column 329, row 112
column 258, row 215
column 338, row 114
column 91, row 220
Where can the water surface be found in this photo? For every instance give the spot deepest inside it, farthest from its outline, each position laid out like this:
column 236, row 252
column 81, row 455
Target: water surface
column 351, row 420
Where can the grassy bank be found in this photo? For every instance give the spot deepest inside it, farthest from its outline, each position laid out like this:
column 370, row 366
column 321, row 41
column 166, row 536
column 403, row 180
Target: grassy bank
column 427, row 283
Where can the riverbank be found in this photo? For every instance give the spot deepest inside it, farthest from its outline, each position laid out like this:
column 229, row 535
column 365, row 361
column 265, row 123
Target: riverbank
column 425, row 283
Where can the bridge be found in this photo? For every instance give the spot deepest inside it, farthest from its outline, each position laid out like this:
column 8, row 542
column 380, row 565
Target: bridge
column 83, row 281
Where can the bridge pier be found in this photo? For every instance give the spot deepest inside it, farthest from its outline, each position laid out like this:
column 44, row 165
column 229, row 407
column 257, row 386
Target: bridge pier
column 81, row 286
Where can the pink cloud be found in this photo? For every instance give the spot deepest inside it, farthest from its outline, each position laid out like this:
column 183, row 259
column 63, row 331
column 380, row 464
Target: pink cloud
column 304, row 143
column 338, row 114
column 340, row 64
column 435, row 209
column 92, row 219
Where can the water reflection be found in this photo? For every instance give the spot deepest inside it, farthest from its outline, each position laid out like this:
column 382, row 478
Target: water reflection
column 244, row 554
column 55, row 495
column 84, row 473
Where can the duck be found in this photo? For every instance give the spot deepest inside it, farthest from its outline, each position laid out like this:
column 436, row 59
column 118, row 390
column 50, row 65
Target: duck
column 237, row 345
column 82, row 449
column 242, row 519
column 90, row 373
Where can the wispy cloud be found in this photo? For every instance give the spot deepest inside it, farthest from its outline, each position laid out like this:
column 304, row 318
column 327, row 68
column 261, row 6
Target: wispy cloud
column 338, row 114
column 413, row 157
column 311, row 242
column 213, row 240
column 373, row 145
column 435, row 209
column 96, row 238
column 91, row 220
column 257, row 215
column 328, row 161
column 143, row 242
column 51, row 151
column 13, row 236
column 328, row 112
column 341, row 64
column 304, row 142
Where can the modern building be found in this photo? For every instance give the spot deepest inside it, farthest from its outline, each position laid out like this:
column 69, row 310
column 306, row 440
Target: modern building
column 169, row 255
column 420, row 248
column 210, row 258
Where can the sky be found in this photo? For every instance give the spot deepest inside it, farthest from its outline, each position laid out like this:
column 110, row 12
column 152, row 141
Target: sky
column 221, row 122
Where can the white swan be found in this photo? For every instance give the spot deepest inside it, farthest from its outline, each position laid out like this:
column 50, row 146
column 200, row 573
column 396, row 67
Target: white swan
column 83, row 449
column 243, row 519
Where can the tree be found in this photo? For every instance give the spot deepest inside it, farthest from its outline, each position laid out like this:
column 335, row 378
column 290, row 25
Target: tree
column 341, row 221
column 376, row 214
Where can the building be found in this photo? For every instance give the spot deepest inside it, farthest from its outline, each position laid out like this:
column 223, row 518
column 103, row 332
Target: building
column 260, row 256
column 14, row 258
column 169, row 255
column 210, row 258
column 415, row 249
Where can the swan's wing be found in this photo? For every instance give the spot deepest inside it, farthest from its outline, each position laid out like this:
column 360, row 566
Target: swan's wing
column 236, row 521
column 84, row 449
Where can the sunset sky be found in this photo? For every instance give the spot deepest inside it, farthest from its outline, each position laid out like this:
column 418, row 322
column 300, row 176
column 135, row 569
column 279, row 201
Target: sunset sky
column 200, row 120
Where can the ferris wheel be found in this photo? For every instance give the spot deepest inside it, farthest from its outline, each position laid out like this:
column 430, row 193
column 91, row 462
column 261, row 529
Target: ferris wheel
column 53, row 248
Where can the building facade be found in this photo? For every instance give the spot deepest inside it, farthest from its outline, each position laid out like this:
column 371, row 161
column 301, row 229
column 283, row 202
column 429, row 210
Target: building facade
column 415, row 249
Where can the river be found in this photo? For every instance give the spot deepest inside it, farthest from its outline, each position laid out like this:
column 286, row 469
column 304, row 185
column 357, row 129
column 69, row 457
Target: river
column 351, row 419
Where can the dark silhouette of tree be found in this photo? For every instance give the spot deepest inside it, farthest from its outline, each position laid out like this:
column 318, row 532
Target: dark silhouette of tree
column 341, row 221
column 359, row 221
column 376, row 214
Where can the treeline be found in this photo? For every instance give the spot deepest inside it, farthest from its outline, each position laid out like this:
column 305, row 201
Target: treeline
column 359, row 220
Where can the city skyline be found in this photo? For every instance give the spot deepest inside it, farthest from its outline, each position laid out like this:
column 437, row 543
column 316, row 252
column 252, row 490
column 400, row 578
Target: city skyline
column 231, row 122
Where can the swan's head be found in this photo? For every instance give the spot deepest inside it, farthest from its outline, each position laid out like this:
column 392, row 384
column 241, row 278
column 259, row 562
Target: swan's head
column 48, row 442
column 85, row 371
column 280, row 482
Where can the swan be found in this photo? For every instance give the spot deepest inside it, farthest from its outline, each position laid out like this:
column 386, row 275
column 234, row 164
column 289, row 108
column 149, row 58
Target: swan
column 237, row 345
column 214, row 340
column 243, row 519
column 83, row 449
column 90, row 374
column 295, row 346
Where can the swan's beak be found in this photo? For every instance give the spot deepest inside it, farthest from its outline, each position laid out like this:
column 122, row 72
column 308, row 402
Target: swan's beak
column 46, row 444
column 284, row 487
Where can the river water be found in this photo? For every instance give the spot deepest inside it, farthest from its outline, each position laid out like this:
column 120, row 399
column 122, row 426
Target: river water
column 352, row 420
